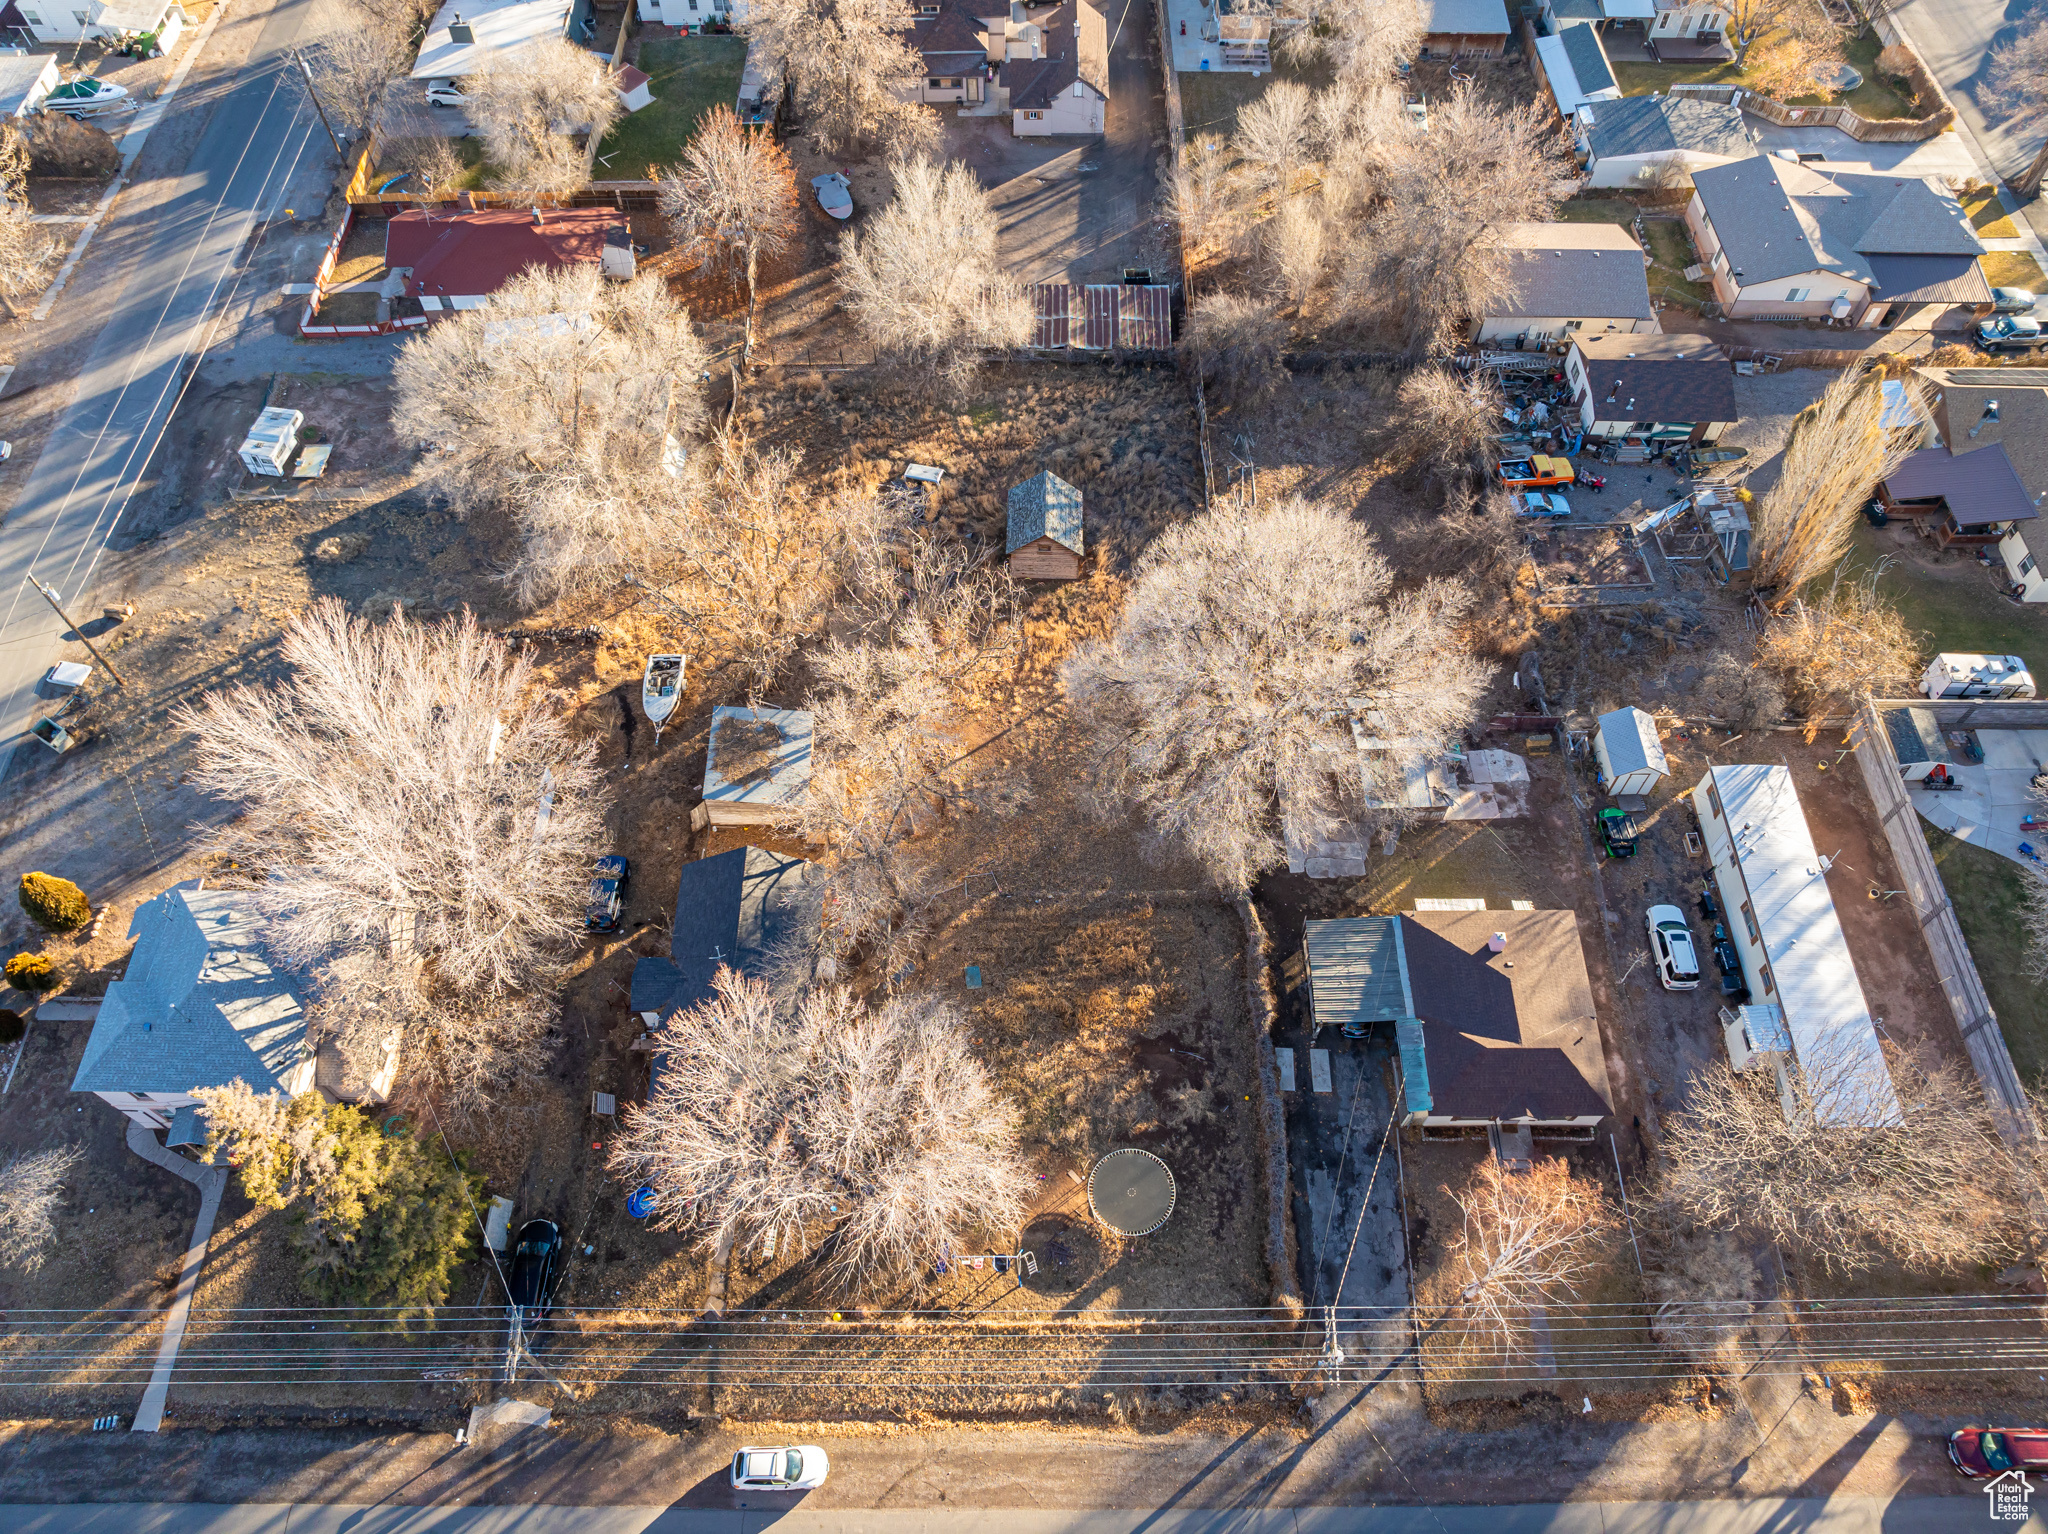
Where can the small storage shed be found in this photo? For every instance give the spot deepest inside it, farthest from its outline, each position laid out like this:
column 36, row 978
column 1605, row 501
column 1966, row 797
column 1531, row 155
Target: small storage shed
column 1045, row 529
column 1631, row 757
column 758, row 767
column 631, row 86
column 1916, row 741
column 1954, row 675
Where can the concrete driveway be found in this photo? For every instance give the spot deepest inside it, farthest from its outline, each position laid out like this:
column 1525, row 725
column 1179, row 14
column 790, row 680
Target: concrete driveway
column 1995, row 795
column 1943, row 155
column 1081, row 210
column 1956, row 38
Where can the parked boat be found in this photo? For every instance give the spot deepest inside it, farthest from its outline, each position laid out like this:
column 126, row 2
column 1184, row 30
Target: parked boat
column 661, row 689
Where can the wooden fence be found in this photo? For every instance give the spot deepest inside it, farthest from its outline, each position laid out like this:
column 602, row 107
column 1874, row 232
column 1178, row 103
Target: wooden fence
column 1865, row 130
column 1955, row 968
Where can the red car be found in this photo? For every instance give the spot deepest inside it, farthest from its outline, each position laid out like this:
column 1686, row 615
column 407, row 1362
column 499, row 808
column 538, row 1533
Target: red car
column 1978, row 1452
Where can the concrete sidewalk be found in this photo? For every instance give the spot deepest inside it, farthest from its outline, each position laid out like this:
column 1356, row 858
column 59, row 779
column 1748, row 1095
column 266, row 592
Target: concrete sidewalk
column 1765, row 1515
column 211, row 1181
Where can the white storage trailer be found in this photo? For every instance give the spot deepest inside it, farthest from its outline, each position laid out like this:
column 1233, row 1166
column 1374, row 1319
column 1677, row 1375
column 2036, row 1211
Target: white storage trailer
column 1957, row 675
column 271, row 441
column 1631, row 757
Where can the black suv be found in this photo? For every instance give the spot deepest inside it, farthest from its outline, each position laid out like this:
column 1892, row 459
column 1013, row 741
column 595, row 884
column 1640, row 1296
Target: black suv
column 535, row 1269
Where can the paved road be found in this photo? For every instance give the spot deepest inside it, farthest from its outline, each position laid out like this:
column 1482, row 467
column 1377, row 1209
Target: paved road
column 1762, row 1515
column 1956, row 38
column 130, row 380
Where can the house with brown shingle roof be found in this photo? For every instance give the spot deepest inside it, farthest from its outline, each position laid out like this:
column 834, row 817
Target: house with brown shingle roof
column 1981, row 475
column 1491, row 1011
column 1045, row 66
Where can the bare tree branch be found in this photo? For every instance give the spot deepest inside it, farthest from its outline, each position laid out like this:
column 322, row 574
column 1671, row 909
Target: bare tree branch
column 31, row 1188
column 1838, row 452
column 527, row 103
column 1530, row 1238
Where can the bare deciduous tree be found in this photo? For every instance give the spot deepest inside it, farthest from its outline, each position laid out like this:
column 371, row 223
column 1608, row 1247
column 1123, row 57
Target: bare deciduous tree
column 923, row 280
column 887, row 751
column 1438, row 426
column 528, row 102
column 1529, row 1239
column 31, row 1187
column 1237, row 343
column 1203, row 198
column 846, row 61
column 1742, row 692
column 732, row 200
column 768, row 1126
column 1227, row 691
column 1838, row 451
column 1705, row 1288
column 1428, row 251
column 2017, row 88
column 408, row 796
column 1749, row 20
column 565, row 397
column 353, row 62
column 762, row 554
column 1840, row 646
column 1362, row 39
column 26, row 248
column 1820, row 1158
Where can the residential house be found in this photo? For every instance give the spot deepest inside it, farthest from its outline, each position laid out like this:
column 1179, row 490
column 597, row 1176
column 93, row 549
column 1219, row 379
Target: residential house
column 455, row 261
column 757, row 767
column 204, row 1002
column 1689, row 32
column 25, row 79
column 464, row 33
column 1047, row 67
column 733, row 910
column 1981, row 476
column 692, row 13
column 111, row 20
column 1492, row 1013
column 1660, row 389
column 1773, row 884
column 1045, row 541
column 1629, row 141
column 1565, row 279
column 1789, row 241
column 1574, row 66
column 1466, row 29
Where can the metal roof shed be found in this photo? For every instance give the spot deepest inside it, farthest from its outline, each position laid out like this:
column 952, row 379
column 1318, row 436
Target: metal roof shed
column 1631, row 758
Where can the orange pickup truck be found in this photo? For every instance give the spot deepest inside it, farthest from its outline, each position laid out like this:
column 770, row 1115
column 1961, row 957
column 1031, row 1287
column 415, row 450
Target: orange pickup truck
column 1537, row 472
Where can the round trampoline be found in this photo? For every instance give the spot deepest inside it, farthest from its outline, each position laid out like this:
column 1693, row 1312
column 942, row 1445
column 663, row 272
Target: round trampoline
column 1131, row 1191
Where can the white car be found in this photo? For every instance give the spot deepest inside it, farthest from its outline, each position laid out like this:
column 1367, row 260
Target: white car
column 445, row 96
column 1678, row 962
column 782, row 1469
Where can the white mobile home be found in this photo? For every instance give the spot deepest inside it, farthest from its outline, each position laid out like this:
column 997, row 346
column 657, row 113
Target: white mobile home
column 1631, row 758
column 1781, row 919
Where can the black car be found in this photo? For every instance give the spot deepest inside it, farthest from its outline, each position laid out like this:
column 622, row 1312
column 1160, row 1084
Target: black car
column 607, row 903
column 535, row 1269
column 1733, row 986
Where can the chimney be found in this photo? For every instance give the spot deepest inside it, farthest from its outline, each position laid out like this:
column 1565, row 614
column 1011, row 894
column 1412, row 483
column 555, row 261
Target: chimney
column 1498, row 943
column 1990, row 415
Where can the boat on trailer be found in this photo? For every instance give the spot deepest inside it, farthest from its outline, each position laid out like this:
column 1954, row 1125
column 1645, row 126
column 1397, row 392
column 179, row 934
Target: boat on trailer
column 661, row 689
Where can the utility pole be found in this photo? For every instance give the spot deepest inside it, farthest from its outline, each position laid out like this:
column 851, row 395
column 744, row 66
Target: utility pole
column 306, row 69
column 51, row 597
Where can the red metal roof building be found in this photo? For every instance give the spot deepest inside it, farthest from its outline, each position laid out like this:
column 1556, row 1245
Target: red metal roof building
column 457, row 260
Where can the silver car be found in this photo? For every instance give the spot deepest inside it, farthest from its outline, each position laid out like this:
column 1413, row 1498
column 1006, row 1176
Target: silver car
column 1671, row 946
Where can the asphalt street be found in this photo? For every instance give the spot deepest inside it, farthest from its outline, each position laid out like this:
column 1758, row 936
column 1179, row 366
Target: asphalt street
column 1761, row 1515
column 1956, row 38
column 131, row 378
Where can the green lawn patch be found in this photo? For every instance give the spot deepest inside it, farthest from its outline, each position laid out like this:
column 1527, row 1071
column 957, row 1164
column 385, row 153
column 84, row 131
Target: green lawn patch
column 1210, row 99
column 1953, row 606
column 688, row 76
column 2012, row 269
column 1875, row 98
column 1670, row 248
column 1988, row 891
column 1989, row 218
column 470, row 151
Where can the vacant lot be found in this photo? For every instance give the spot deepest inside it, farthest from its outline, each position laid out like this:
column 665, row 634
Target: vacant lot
column 688, row 76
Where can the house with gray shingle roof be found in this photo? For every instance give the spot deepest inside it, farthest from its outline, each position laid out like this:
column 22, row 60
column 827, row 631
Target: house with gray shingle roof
column 1566, row 278
column 203, row 1002
column 1047, row 66
column 1788, row 241
column 1045, row 529
column 1626, row 141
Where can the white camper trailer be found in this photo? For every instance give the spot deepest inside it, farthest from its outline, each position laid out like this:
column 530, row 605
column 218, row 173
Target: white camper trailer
column 1956, row 675
column 271, row 442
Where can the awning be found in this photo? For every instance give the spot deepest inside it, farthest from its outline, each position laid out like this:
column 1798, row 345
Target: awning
column 188, row 1127
column 1928, row 280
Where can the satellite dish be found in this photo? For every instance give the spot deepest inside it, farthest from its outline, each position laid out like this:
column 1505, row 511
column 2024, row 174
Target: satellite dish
column 1131, row 1191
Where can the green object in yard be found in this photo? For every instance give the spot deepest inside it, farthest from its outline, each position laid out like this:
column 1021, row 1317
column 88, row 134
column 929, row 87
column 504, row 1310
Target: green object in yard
column 974, row 977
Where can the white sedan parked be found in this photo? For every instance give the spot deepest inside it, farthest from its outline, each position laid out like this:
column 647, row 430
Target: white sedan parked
column 1678, row 962
column 784, row 1469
